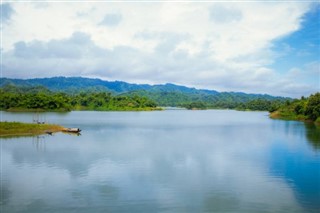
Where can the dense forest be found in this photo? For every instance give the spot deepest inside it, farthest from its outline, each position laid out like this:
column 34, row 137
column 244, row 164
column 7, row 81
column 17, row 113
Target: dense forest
column 223, row 100
column 87, row 93
column 303, row 109
column 253, row 105
column 40, row 98
column 21, row 98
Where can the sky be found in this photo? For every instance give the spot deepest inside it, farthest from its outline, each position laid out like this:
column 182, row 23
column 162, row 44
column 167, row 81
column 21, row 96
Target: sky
column 268, row 47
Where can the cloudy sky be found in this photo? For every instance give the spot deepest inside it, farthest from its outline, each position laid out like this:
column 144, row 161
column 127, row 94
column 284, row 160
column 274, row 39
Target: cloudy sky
column 268, row 47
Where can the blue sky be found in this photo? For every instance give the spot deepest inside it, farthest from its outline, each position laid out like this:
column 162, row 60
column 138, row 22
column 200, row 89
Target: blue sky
column 301, row 50
column 303, row 43
column 268, row 47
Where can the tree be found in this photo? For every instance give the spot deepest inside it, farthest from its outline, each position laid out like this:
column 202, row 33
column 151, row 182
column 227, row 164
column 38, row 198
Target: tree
column 313, row 107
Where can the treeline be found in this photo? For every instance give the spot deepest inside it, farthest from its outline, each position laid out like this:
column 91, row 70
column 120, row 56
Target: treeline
column 163, row 95
column 253, row 105
column 223, row 100
column 300, row 109
column 14, row 97
column 40, row 98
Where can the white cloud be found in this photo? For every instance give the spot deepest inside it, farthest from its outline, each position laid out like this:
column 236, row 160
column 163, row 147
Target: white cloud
column 222, row 15
column 217, row 46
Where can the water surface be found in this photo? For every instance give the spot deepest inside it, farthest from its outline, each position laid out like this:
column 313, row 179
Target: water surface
column 164, row 161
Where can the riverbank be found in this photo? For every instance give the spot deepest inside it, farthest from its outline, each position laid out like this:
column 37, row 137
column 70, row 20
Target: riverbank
column 285, row 115
column 9, row 129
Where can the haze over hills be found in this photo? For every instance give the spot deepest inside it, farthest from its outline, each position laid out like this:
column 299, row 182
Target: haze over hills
column 164, row 95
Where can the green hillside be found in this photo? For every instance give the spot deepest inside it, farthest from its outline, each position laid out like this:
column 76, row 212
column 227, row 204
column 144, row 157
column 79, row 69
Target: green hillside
column 161, row 95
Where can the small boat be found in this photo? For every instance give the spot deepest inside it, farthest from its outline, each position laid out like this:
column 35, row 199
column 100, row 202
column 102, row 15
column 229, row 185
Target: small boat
column 49, row 132
column 73, row 130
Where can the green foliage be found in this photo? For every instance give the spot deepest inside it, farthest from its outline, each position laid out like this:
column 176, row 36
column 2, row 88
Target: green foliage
column 303, row 109
column 201, row 100
column 72, row 85
column 78, row 88
column 106, row 101
column 33, row 98
column 312, row 109
column 162, row 95
column 30, row 98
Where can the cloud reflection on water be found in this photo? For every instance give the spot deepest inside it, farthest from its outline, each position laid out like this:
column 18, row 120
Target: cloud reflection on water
column 174, row 161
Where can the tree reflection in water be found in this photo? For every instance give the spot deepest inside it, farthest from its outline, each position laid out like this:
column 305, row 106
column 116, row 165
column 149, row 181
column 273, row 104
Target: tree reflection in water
column 313, row 135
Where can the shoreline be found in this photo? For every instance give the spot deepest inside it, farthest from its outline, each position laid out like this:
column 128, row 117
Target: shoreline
column 16, row 129
column 277, row 115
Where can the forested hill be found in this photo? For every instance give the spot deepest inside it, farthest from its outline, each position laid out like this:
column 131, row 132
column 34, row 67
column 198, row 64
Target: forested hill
column 163, row 95
column 75, row 84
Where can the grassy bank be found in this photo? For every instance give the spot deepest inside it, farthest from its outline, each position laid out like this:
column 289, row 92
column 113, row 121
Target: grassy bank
column 8, row 129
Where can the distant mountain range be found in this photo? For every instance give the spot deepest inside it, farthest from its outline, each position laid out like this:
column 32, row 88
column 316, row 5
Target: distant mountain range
column 165, row 95
column 72, row 84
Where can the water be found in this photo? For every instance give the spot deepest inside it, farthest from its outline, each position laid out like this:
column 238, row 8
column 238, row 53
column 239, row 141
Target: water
column 165, row 161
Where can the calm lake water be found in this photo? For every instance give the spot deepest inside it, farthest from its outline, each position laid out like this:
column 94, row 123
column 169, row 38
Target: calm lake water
column 165, row 161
